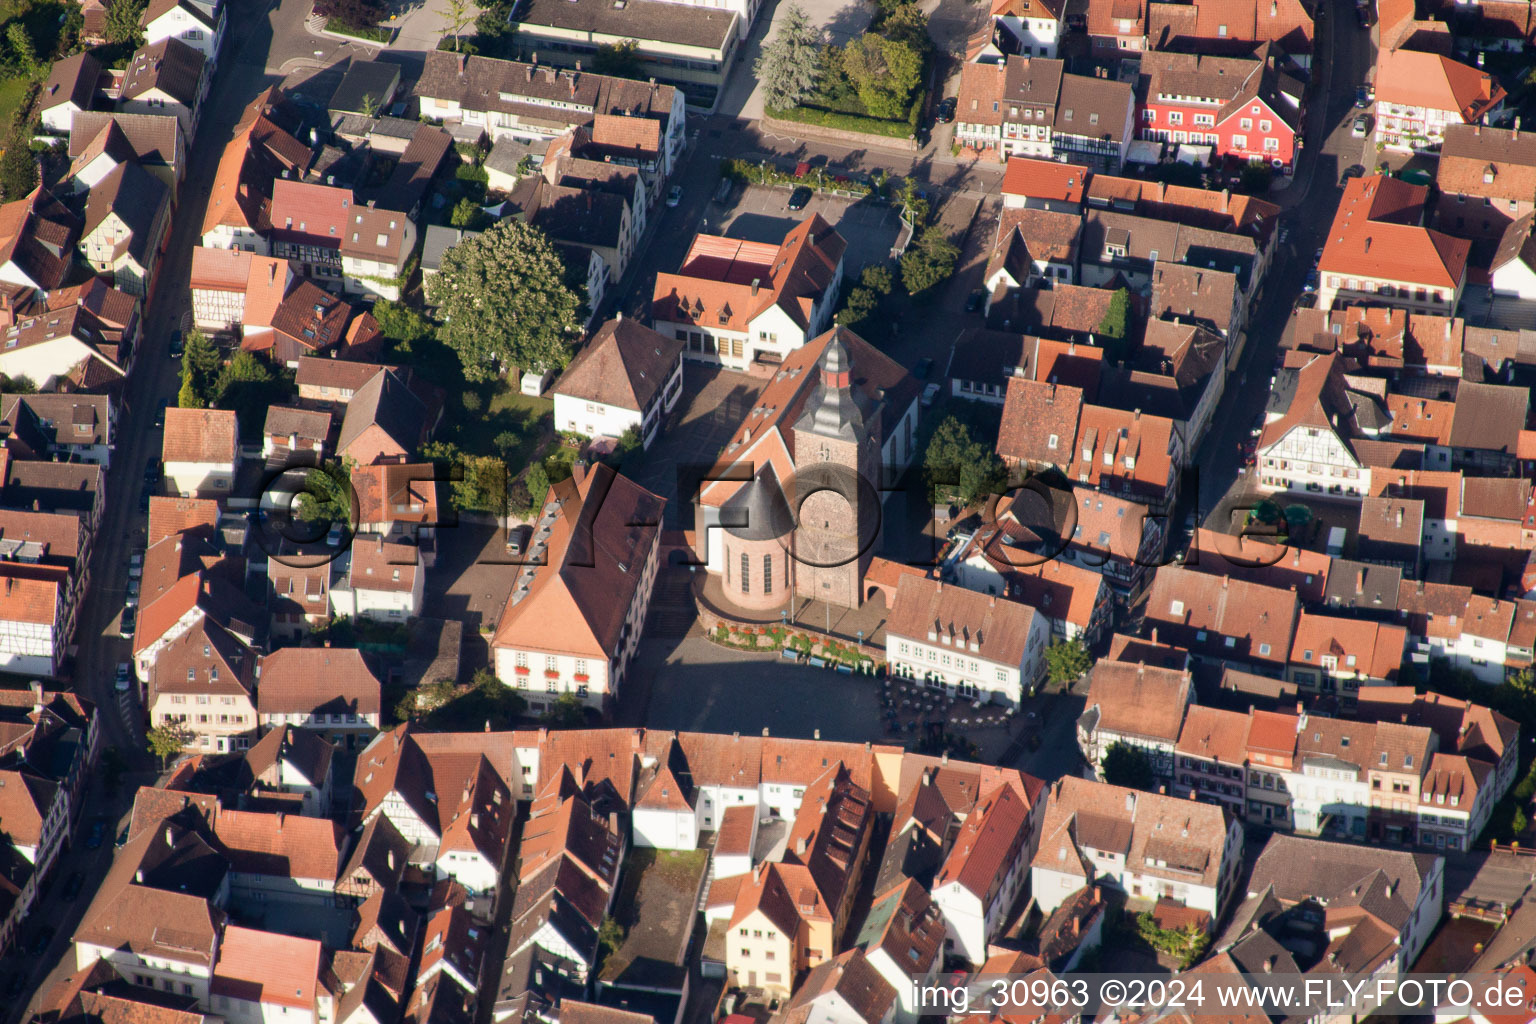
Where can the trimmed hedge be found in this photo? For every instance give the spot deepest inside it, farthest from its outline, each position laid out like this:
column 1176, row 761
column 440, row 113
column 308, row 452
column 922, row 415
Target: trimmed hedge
column 843, row 122
column 373, row 35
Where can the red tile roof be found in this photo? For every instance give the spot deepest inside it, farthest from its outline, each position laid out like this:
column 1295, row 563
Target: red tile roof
column 1045, row 179
column 1375, row 234
column 268, row 968
column 200, row 436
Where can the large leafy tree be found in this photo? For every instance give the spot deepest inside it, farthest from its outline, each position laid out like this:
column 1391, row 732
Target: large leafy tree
column 504, row 301
column 790, row 63
column 929, row 262
column 957, row 465
column 1066, row 661
column 248, row 385
column 166, row 740
column 200, row 368
column 122, row 25
column 885, row 72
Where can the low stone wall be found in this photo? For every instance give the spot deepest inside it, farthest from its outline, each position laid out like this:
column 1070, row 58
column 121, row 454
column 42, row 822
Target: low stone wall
column 799, row 130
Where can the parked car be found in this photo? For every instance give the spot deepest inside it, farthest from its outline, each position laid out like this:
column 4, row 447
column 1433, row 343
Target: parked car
column 97, row 835
column 136, row 565
column 145, row 493
column 802, row 168
column 975, row 300
column 946, row 111
column 334, row 536
column 1364, row 15
column 517, row 539
column 799, row 197
column 1363, row 96
column 176, row 346
column 930, row 395
column 1352, row 171
column 124, row 678
column 152, row 470
column 164, row 404
column 724, row 191
column 1311, row 285
column 122, row 838
column 674, row 195
column 40, row 943
column 923, row 367
column 133, row 592
column 1361, row 128
column 125, row 627
column 73, row 886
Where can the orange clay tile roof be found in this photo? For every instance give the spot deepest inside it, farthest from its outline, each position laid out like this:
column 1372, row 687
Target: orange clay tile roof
column 600, row 538
column 640, row 134
column 1419, row 419
column 785, row 893
column 1139, row 700
column 980, row 87
column 992, row 836
column 287, row 845
column 1215, row 734
column 1255, row 560
column 625, row 365
column 1117, row 444
column 396, row 492
column 1219, row 616
column 1369, row 648
column 1409, row 78
column 1375, row 234
column 715, row 283
column 1045, row 179
column 999, row 628
column 200, row 436
column 1033, row 414
column 31, row 597
column 268, row 968
column 309, row 678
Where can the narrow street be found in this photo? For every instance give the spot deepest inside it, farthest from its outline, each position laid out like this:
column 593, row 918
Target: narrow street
column 239, row 78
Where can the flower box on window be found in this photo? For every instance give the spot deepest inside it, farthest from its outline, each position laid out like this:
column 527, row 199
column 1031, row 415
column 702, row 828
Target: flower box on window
column 582, row 677
column 521, row 670
column 551, row 673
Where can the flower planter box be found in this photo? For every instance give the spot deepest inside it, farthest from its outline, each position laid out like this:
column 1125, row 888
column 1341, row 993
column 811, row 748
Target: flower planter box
column 521, row 670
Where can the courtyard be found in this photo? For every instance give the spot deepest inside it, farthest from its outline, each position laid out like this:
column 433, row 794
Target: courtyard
column 762, row 214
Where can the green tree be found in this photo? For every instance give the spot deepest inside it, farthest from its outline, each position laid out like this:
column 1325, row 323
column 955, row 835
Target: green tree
column 1297, row 516
column 1125, row 765
column 627, row 448
column 1116, row 325
column 122, row 25
column 913, row 204
column 327, row 494
column 200, row 367
column 401, row 325
column 22, row 51
column 620, row 59
column 610, row 936
column 789, row 64
column 566, row 712
column 504, row 302
column 877, row 278
column 959, row 466
column 18, row 168
column 928, row 262
column 166, row 741
column 248, row 385
column 459, row 16
column 906, row 23
column 1267, row 513
column 1066, row 661
column 859, row 308
column 536, row 481
column 885, row 72
column 467, row 214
